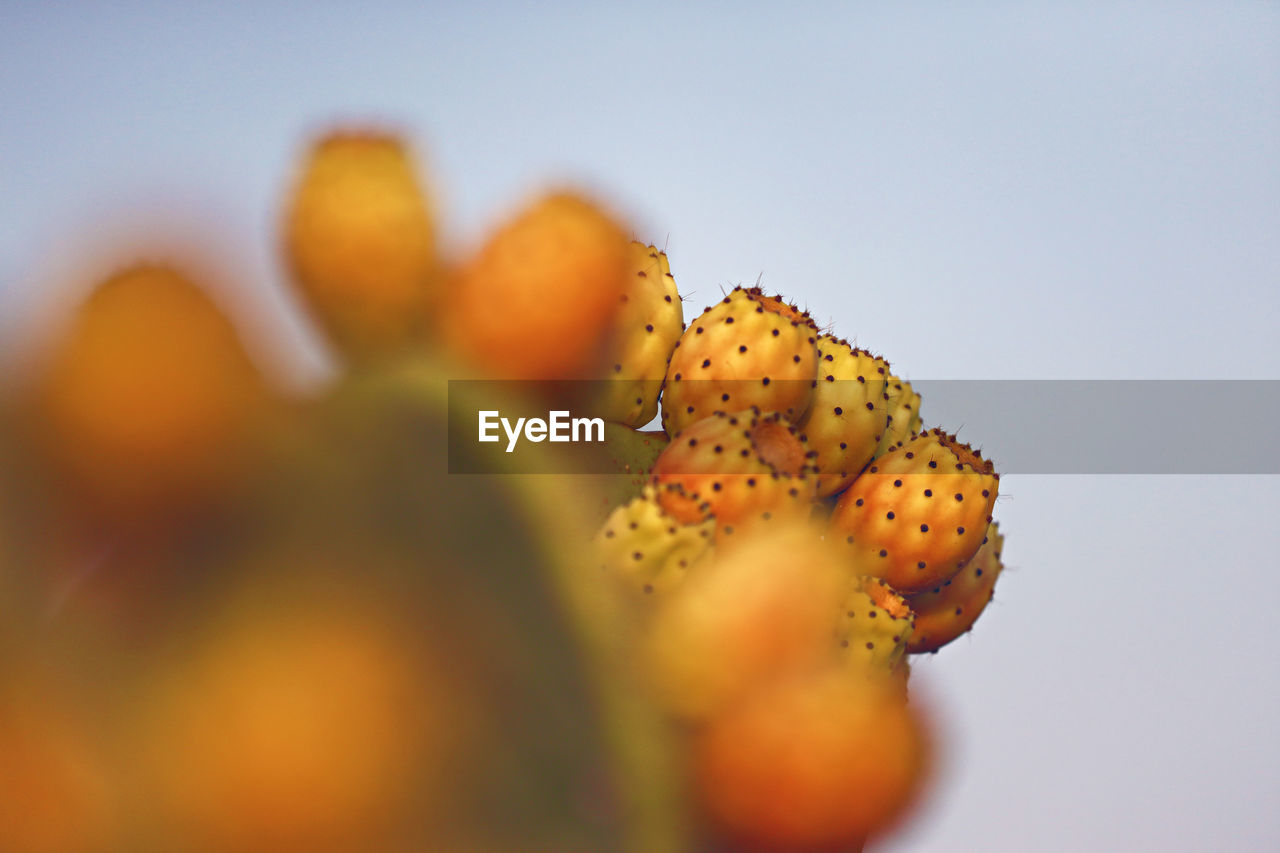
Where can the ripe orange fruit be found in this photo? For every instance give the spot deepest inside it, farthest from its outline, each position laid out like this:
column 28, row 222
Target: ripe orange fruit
column 538, row 300
column 818, row 762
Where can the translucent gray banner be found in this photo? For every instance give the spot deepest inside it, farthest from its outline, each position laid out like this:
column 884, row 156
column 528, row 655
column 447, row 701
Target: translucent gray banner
column 1025, row 426
column 1116, row 426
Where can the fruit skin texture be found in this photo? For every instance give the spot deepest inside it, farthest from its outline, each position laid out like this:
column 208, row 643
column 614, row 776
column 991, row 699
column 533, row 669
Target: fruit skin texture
column 876, row 626
column 848, row 418
column 538, row 301
column 949, row 610
column 146, row 397
column 904, row 415
column 918, row 514
column 763, row 607
column 630, row 455
column 747, row 350
column 649, row 549
column 360, row 241
column 818, row 762
column 646, row 328
column 742, row 468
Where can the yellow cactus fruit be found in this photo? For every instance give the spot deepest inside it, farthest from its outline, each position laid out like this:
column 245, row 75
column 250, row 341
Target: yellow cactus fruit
column 644, row 335
column 904, row 415
column 876, row 626
column 647, row 548
column 359, row 239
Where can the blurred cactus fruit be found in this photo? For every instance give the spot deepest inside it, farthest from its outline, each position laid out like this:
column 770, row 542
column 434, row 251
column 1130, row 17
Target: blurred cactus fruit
column 876, row 626
column 359, row 239
column 648, row 548
column 538, row 301
column 741, row 468
column 148, row 396
column 56, row 793
column 297, row 728
column 564, row 751
column 763, row 606
column 646, row 328
column 903, row 404
column 747, row 350
column 950, row 609
column 818, row 762
column 847, row 419
column 919, row 513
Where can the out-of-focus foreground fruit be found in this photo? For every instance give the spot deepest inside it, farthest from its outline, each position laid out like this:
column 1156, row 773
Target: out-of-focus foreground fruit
column 147, row 395
column 360, row 241
column 818, row 762
column 350, row 659
column 537, row 301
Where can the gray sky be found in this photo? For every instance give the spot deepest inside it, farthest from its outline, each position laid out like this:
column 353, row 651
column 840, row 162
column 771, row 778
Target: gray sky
column 1003, row 190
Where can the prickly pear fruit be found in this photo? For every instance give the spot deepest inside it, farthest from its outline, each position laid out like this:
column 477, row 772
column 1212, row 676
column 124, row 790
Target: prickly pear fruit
column 848, row 418
column 904, row 415
column 876, row 626
column 816, row 762
column 747, row 350
column 919, row 513
column 645, row 332
column 649, row 549
column 538, row 300
column 760, row 607
column 360, row 241
column 146, row 399
column 742, row 468
column 948, row 610
column 631, row 453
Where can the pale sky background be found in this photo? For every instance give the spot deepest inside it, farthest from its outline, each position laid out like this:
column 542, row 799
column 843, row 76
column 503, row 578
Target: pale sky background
column 1002, row 190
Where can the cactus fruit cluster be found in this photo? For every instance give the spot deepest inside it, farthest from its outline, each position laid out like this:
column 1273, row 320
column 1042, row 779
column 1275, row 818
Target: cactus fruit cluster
column 235, row 618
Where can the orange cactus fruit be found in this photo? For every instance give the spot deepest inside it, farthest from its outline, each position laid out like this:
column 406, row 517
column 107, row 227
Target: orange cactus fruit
column 295, row 728
column 748, row 350
column 819, row 762
column 145, row 399
column 741, row 468
column 950, row 609
column 56, row 792
column 538, row 301
column 760, row 608
column 918, row 513
column 359, row 239
column 848, row 417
